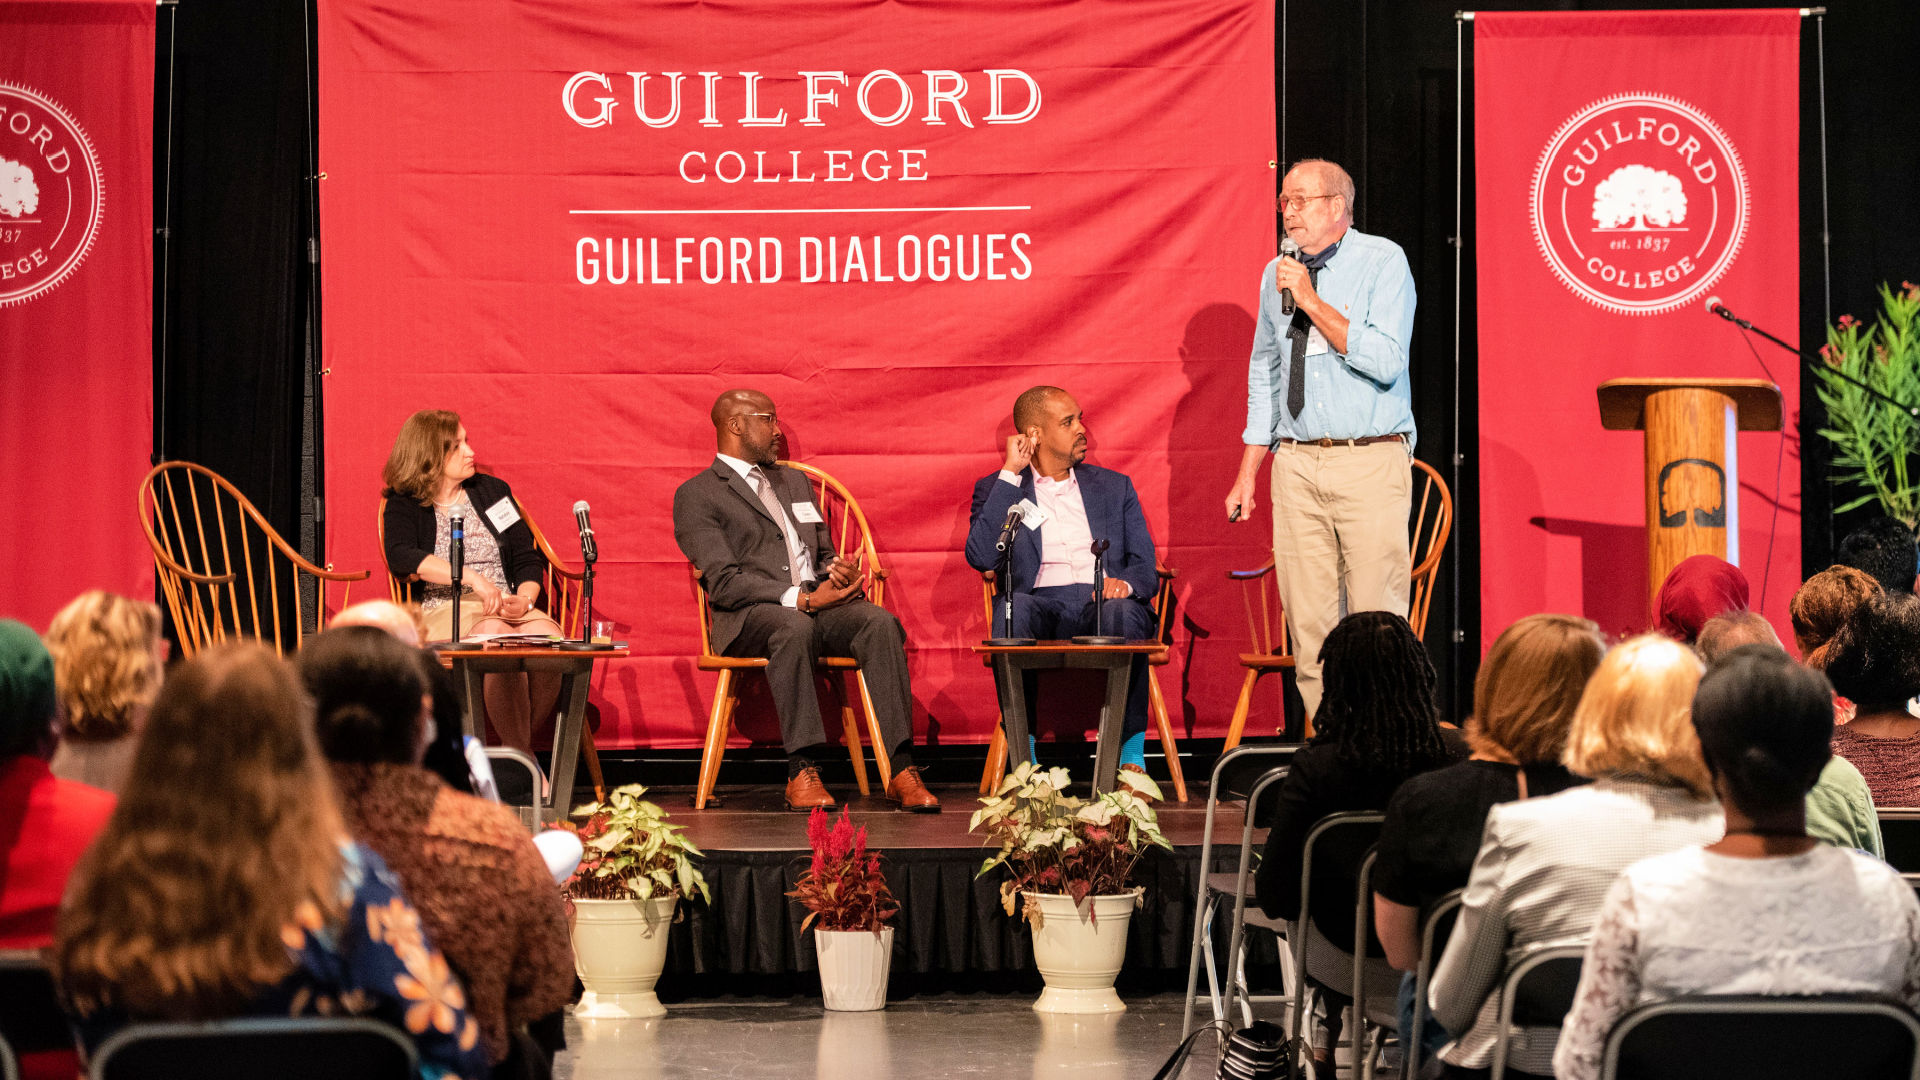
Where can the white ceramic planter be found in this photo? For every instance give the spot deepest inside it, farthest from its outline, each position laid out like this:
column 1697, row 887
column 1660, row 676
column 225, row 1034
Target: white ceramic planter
column 619, row 949
column 853, row 968
column 1079, row 951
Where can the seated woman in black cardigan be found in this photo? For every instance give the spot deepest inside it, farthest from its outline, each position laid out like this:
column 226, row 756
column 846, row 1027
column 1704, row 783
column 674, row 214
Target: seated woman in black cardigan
column 431, row 480
column 1377, row 726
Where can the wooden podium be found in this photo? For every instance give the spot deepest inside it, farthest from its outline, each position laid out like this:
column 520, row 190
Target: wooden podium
column 1693, row 476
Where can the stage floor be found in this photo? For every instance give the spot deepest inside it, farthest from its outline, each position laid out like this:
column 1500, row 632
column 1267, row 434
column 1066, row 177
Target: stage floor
column 755, row 819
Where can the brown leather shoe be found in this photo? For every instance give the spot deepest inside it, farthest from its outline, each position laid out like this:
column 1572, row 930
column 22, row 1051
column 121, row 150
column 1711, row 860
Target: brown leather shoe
column 910, row 794
column 805, row 791
column 1142, row 772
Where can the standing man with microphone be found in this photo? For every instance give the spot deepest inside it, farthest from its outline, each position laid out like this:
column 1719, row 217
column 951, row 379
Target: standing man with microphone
column 1073, row 505
column 1328, row 396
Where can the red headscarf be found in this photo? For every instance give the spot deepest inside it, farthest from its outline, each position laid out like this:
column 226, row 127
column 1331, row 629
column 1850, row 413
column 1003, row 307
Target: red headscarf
column 1698, row 589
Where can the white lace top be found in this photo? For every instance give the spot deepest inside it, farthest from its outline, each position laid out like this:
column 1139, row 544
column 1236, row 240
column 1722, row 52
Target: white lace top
column 1831, row 921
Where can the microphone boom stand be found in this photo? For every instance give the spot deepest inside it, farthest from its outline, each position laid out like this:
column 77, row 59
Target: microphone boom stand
column 1003, row 578
column 1813, row 363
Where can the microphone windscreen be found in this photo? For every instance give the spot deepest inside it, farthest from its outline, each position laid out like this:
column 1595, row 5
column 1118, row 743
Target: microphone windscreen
column 1290, row 249
column 1712, row 302
column 580, row 507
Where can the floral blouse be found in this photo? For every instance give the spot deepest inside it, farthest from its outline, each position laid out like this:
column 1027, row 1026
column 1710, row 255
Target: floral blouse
column 375, row 962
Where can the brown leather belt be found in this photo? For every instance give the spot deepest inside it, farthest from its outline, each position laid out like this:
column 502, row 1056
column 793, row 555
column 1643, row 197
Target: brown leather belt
column 1365, row 440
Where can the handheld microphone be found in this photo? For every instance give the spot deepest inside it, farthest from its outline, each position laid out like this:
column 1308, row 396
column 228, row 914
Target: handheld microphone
column 1288, row 250
column 1015, row 515
column 589, row 551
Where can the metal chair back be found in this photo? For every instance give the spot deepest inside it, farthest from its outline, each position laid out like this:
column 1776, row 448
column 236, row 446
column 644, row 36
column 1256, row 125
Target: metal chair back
column 1436, row 927
column 1900, row 837
column 521, row 784
column 1858, row 1036
column 1537, row 993
column 1236, row 775
column 1336, row 848
column 31, row 1020
column 303, row 1048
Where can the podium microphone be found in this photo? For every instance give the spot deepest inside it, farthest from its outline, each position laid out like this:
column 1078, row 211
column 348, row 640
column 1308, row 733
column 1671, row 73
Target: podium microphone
column 1014, row 516
column 589, row 551
column 589, row 554
column 1288, row 250
column 1715, row 307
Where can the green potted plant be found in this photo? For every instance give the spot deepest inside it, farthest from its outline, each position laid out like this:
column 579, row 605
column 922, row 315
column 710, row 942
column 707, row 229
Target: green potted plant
column 1875, row 444
column 1069, row 864
column 845, row 892
column 635, row 869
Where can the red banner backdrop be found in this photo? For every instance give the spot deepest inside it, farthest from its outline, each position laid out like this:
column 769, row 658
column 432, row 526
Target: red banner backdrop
column 76, row 298
column 1629, row 165
column 577, row 221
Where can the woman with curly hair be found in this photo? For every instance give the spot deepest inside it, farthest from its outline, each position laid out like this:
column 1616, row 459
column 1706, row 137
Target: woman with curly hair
column 1377, row 726
column 225, row 884
column 1875, row 662
column 108, row 658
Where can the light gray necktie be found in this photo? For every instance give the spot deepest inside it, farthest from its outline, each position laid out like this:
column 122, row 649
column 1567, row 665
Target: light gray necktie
column 765, row 485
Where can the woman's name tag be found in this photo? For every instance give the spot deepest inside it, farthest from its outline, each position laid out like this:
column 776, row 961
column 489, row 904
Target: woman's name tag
column 503, row 514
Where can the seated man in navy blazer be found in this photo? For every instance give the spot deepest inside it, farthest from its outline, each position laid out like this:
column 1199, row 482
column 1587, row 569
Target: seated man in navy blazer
column 1052, row 575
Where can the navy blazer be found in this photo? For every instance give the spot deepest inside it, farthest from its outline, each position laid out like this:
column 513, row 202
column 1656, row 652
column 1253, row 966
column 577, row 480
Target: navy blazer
column 1113, row 515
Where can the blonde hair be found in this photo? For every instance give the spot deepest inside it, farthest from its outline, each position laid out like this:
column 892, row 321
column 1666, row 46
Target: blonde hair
column 1529, row 684
column 419, row 454
column 225, row 841
column 104, row 664
column 1636, row 717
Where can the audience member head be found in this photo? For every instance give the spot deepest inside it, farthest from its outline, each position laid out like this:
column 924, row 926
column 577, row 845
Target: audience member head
column 423, row 453
column 1822, row 605
column 27, row 702
column 108, row 659
column 225, row 833
column 1765, row 726
column 1377, row 701
column 403, row 621
column 371, row 700
column 1698, row 589
column 1725, row 633
column 1528, row 687
column 1875, row 658
column 1634, row 721
column 1884, row 548
column 746, row 426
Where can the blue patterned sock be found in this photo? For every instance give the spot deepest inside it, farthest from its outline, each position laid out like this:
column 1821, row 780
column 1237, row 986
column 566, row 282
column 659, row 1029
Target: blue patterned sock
column 1134, row 750
column 1033, row 748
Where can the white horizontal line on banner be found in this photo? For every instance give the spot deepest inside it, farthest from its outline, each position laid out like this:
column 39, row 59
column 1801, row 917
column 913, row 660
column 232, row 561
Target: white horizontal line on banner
column 809, row 210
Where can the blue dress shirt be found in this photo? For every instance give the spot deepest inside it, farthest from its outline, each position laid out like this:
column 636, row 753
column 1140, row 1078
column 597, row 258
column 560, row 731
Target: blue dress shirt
column 1364, row 392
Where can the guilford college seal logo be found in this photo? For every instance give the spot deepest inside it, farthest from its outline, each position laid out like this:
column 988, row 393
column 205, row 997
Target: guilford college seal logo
column 1639, row 203
column 50, row 194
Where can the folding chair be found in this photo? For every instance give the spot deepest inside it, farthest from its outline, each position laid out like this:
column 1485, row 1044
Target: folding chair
column 1236, row 774
column 302, row 1048
column 1371, row 1024
column 1900, row 837
column 1344, row 836
column 522, row 786
column 1436, row 926
column 1857, row 1036
column 31, row 1020
column 1537, row 993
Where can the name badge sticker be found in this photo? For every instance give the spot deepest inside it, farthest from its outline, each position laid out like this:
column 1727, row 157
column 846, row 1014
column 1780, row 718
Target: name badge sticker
column 806, row 512
column 502, row 514
column 1031, row 514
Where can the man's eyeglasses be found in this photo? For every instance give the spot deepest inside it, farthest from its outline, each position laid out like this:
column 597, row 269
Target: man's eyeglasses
column 767, row 416
column 1299, row 202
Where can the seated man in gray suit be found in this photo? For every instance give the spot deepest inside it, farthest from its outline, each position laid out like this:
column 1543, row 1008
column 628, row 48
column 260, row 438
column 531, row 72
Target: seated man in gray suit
column 777, row 589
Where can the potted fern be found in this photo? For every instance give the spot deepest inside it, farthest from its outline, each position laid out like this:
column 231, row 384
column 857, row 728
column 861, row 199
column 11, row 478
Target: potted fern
column 845, row 893
column 635, row 869
column 1069, row 864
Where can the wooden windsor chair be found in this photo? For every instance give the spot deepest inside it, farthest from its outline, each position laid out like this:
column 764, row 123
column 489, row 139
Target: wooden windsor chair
column 851, row 537
column 1430, row 525
column 225, row 572
column 996, row 766
column 561, row 589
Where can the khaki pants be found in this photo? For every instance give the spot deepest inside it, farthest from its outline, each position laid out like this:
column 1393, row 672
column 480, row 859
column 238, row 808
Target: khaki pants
column 1340, row 541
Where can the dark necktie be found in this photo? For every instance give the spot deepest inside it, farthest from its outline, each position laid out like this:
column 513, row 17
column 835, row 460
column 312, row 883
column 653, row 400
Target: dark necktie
column 1297, row 334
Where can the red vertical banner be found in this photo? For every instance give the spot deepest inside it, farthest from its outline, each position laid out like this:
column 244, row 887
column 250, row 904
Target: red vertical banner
column 576, row 222
column 76, row 298
column 1629, row 166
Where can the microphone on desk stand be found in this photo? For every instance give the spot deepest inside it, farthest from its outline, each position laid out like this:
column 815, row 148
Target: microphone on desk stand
column 456, row 560
column 1099, row 601
column 589, row 554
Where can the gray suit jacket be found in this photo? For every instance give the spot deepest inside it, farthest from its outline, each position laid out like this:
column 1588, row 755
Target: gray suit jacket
column 739, row 549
